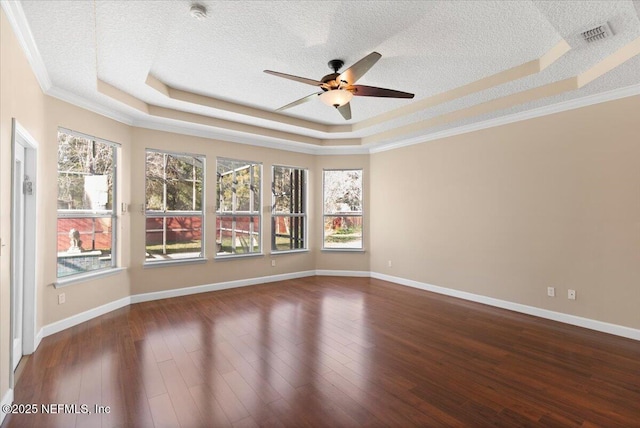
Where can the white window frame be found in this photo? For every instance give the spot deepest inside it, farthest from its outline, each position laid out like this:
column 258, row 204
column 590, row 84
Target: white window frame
column 165, row 213
column 254, row 211
column 301, row 214
column 336, row 214
column 93, row 214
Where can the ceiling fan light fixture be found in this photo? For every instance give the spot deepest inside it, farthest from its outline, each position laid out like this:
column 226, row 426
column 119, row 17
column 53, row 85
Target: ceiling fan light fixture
column 336, row 97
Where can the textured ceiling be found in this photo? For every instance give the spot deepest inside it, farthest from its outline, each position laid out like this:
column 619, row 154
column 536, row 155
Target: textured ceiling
column 428, row 48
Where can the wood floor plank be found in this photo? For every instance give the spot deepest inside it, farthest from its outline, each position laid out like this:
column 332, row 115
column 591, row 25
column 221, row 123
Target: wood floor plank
column 224, row 395
column 164, row 416
column 185, row 408
column 208, row 406
column 330, row 351
column 151, row 376
column 259, row 379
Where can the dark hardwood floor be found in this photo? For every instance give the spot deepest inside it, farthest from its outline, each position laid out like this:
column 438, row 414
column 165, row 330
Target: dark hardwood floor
column 326, row 351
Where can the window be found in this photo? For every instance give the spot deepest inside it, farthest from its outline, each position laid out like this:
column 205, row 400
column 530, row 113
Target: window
column 86, row 204
column 342, row 205
column 238, row 216
column 289, row 209
column 174, row 206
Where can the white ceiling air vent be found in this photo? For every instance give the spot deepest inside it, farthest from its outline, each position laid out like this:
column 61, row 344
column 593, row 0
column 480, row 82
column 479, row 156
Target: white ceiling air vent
column 597, row 33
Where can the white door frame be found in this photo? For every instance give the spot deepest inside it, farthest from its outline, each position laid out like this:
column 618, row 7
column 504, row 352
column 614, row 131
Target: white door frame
column 18, row 211
column 22, row 140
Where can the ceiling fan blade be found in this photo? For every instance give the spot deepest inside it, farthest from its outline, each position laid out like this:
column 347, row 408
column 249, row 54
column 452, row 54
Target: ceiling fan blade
column 300, row 101
column 345, row 111
column 372, row 91
column 357, row 70
column 296, row 78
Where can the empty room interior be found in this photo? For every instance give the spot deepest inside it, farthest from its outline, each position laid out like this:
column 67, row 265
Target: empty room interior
column 319, row 213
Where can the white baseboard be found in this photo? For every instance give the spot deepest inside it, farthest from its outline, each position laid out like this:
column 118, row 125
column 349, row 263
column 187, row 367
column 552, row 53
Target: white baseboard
column 176, row 292
column 7, row 399
column 38, row 339
column 73, row 320
column 66, row 323
column 358, row 273
column 604, row 327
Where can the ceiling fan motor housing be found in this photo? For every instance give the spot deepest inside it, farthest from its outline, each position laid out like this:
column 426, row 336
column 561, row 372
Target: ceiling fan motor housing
column 335, row 64
column 330, row 80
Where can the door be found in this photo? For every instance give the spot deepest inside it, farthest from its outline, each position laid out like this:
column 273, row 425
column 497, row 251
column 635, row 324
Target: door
column 17, row 245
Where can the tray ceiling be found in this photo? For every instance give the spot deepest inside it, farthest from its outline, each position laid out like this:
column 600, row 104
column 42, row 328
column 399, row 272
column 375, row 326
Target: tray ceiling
column 150, row 63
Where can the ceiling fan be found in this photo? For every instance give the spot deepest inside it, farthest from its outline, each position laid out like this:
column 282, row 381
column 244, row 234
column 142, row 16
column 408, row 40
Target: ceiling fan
column 339, row 88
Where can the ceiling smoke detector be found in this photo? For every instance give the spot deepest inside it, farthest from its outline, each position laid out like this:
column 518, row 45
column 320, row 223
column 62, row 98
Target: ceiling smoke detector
column 598, row 33
column 198, row 11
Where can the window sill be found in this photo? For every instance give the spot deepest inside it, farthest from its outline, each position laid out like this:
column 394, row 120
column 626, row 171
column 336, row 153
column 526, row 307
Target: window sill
column 343, row 250
column 82, row 277
column 277, row 253
column 165, row 263
column 220, row 258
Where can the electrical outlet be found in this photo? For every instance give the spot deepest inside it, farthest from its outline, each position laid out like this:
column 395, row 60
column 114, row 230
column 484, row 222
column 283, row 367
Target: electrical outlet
column 273, row 263
column 551, row 291
column 571, row 294
column 61, row 298
column 389, row 263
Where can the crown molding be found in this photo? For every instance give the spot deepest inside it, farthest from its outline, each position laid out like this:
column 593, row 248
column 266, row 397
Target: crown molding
column 576, row 103
column 18, row 20
column 79, row 101
column 203, row 131
column 228, row 106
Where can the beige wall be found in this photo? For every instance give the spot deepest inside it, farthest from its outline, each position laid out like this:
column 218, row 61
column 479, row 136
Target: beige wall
column 21, row 99
column 508, row 211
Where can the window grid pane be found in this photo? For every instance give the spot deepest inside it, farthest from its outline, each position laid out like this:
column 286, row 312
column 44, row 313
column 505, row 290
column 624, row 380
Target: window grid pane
column 173, row 237
column 237, row 234
column 93, row 239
